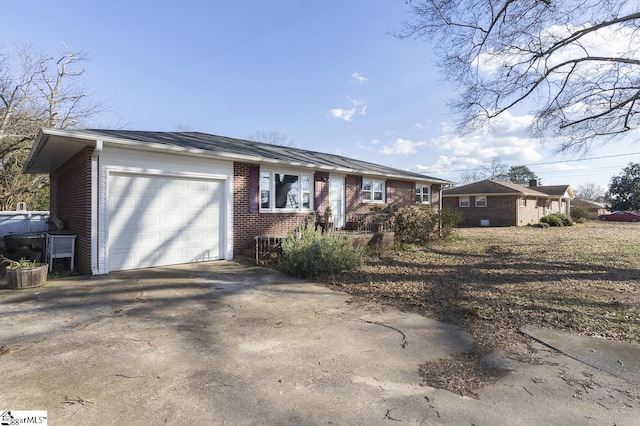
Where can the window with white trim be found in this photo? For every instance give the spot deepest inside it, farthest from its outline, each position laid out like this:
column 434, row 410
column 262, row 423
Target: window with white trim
column 372, row 191
column 481, row 201
column 423, row 194
column 285, row 191
column 464, row 202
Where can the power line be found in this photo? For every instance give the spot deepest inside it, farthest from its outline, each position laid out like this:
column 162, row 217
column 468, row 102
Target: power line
column 550, row 162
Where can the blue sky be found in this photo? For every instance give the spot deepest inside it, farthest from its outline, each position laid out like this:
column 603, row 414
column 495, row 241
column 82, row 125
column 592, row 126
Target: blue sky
column 326, row 74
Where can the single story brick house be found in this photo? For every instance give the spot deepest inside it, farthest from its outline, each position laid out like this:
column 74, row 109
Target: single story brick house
column 141, row 199
column 494, row 203
column 594, row 208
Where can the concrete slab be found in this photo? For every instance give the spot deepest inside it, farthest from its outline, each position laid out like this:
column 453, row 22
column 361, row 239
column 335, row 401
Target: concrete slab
column 617, row 358
column 220, row 343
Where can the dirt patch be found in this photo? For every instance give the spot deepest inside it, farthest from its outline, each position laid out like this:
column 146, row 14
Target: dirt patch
column 490, row 281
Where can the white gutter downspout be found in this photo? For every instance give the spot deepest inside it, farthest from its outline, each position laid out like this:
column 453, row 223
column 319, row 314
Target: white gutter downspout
column 440, row 212
column 95, row 224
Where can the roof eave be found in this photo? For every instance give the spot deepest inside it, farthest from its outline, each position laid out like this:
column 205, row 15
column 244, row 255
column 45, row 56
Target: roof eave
column 79, row 135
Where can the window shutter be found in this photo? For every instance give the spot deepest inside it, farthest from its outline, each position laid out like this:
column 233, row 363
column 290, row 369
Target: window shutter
column 359, row 189
column 318, row 179
column 254, row 189
column 387, row 190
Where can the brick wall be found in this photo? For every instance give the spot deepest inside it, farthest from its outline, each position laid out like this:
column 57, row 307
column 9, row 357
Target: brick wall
column 71, row 202
column 246, row 226
column 500, row 211
column 532, row 212
column 249, row 225
column 403, row 193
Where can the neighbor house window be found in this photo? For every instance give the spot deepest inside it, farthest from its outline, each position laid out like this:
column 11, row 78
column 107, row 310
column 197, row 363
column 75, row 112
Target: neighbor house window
column 423, row 194
column 464, row 202
column 523, row 202
column 285, row 191
column 372, row 191
column 481, row 201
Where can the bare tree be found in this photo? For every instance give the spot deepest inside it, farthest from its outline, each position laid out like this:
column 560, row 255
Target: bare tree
column 36, row 91
column 574, row 63
column 272, row 137
column 470, row 176
column 495, row 169
column 590, row 191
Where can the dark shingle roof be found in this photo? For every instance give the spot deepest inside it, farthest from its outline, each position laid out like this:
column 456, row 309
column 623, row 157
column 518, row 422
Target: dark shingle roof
column 492, row 187
column 555, row 190
column 240, row 148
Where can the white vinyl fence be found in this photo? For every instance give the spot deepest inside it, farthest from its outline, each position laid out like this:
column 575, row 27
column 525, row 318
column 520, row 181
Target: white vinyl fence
column 22, row 221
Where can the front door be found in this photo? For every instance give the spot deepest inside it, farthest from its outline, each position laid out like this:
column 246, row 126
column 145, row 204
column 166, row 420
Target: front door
column 336, row 200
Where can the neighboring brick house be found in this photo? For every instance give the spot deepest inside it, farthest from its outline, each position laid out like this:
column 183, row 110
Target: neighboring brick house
column 495, row 203
column 140, row 199
column 594, row 208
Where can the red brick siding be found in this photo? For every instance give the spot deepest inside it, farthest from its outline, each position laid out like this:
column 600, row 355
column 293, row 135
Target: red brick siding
column 402, row 194
column 436, row 190
column 500, row 211
column 71, row 202
column 246, row 226
column 53, row 194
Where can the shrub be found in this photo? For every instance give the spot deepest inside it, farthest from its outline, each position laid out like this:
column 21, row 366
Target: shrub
column 557, row 219
column 308, row 253
column 579, row 212
column 450, row 218
column 420, row 224
column 416, row 224
column 566, row 220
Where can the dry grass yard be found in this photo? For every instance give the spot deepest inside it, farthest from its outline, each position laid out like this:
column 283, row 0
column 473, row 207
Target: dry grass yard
column 490, row 281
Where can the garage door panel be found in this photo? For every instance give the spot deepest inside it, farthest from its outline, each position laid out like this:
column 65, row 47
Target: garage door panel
column 156, row 220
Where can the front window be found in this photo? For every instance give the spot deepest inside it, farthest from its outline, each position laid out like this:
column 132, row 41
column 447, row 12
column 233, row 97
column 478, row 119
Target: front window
column 464, row 202
column 306, row 192
column 481, row 201
column 372, row 191
column 423, row 194
column 285, row 191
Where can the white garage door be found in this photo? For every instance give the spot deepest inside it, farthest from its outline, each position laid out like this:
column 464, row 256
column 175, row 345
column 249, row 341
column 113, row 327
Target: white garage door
column 162, row 220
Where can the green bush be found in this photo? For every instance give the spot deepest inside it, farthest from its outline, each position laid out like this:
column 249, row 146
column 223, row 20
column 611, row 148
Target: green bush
column 566, row 220
column 421, row 224
column 309, row 253
column 450, row 218
column 557, row 219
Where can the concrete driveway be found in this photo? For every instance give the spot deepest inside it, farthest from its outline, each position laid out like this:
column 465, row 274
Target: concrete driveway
column 222, row 343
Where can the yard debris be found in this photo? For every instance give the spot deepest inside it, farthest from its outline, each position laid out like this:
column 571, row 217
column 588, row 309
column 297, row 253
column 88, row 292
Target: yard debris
column 5, row 350
column 404, row 343
column 491, row 281
column 78, row 400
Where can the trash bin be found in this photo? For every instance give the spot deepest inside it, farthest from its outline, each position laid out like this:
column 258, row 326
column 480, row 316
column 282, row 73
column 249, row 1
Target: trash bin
column 28, row 245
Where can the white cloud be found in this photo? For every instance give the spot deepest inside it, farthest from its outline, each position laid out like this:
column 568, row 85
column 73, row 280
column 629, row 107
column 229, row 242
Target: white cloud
column 359, row 108
column 359, row 78
column 343, row 114
column 508, row 139
column 402, row 147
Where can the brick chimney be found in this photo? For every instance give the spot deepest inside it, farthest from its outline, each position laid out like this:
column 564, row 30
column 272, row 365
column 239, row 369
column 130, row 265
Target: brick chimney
column 533, row 183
